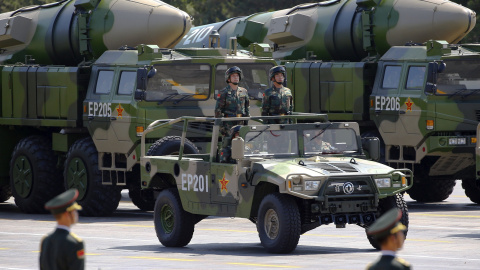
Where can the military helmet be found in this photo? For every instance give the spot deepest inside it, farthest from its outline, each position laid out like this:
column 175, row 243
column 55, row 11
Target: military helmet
column 275, row 70
column 232, row 70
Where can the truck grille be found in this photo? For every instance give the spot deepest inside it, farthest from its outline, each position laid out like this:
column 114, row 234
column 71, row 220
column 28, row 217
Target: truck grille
column 343, row 186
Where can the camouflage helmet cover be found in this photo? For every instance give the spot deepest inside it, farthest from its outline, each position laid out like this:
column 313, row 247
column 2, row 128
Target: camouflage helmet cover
column 277, row 69
column 232, row 70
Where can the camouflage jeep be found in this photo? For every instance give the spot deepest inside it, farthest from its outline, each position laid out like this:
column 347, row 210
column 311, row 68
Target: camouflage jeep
column 286, row 178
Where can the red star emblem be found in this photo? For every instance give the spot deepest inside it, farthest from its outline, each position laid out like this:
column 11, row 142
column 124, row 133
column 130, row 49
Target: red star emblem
column 120, row 111
column 409, row 104
column 224, row 183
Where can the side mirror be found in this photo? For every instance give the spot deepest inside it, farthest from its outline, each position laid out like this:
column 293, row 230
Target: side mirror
column 142, row 78
column 238, row 146
column 372, row 146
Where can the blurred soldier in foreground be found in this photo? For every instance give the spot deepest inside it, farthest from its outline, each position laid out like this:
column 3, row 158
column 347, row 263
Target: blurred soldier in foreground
column 277, row 100
column 233, row 100
column 390, row 235
column 63, row 249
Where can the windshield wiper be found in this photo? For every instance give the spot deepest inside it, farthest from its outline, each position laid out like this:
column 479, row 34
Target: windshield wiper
column 321, row 132
column 182, row 98
column 170, row 96
column 259, row 132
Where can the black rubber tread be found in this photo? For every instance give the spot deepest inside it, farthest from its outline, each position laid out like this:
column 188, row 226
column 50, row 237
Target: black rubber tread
column 386, row 204
column 5, row 193
column 431, row 190
column 171, row 145
column 471, row 190
column 99, row 200
column 289, row 223
column 46, row 176
column 165, row 146
column 135, row 191
column 184, row 224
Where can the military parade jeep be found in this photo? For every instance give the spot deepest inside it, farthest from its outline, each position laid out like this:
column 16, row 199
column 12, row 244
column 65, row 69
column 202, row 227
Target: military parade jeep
column 286, row 178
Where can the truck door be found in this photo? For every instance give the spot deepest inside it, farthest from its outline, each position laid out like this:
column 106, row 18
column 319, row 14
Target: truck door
column 224, row 183
column 97, row 105
column 413, row 106
column 385, row 101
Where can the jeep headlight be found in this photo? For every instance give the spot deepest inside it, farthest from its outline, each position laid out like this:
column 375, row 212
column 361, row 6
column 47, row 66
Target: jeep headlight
column 311, row 185
column 383, row 182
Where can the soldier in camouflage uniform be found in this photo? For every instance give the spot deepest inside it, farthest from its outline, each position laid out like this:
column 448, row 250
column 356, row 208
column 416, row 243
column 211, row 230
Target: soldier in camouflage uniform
column 277, row 100
column 389, row 233
column 63, row 249
column 233, row 100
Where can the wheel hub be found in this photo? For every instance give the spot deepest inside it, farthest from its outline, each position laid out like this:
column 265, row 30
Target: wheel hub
column 22, row 176
column 77, row 177
column 272, row 224
column 167, row 218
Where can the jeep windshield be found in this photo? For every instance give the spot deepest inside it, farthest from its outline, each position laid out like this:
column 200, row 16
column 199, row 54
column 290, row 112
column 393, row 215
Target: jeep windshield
column 460, row 78
column 329, row 141
column 267, row 142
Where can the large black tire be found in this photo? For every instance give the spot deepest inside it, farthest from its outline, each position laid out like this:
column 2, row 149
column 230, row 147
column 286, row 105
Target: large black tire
column 135, row 191
column 429, row 189
column 5, row 193
column 34, row 176
column 386, row 204
column 170, row 145
column 471, row 189
column 279, row 223
column 166, row 146
column 173, row 225
column 81, row 172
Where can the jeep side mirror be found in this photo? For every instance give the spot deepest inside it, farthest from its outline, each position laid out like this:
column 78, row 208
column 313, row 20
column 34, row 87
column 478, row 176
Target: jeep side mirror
column 372, row 146
column 238, row 146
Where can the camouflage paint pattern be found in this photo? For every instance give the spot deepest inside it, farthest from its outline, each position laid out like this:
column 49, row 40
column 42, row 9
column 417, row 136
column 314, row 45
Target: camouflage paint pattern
column 430, row 131
column 341, row 29
column 72, row 31
column 208, row 187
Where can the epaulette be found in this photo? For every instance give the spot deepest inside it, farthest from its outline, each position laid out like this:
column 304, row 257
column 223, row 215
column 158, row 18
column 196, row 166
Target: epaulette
column 76, row 237
column 402, row 261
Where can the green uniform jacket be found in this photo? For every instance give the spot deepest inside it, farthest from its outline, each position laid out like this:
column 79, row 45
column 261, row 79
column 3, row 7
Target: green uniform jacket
column 277, row 101
column 62, row 250
column 388, row 262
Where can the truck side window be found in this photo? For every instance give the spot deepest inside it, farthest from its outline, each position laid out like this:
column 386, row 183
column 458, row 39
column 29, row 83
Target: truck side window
column 391, row 77
column 104, row 82
column 416, row 77
column 127, row 82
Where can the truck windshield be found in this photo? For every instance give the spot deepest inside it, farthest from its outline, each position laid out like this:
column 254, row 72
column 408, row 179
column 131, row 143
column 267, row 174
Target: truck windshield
column 271, row 143
column 329, row 141
column 181, row 82
column 459, row 78
column 254, row 78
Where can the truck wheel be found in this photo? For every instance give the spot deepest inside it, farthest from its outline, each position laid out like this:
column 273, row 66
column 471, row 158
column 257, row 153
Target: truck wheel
column 429, row 189
column 170, row 145
column 5, row 193
column 173, row 225
column 386, row 204
column 278, row 223
column 471, row 190
column 135, row 191
column 81, row 172
column 34, row 176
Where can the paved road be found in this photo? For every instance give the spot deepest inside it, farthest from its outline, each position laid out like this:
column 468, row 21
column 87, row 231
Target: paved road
column 442, row 235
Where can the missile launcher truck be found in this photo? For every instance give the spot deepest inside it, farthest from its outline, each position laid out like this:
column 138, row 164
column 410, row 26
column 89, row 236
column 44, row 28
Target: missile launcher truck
column 286, row 178
column 420, row 100
column 80, row 126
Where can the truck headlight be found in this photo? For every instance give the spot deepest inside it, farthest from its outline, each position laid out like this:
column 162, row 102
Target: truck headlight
column 383, row 182
column 311, row 185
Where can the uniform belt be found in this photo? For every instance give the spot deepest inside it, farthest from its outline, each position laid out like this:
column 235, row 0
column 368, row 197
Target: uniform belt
column 233, row 115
